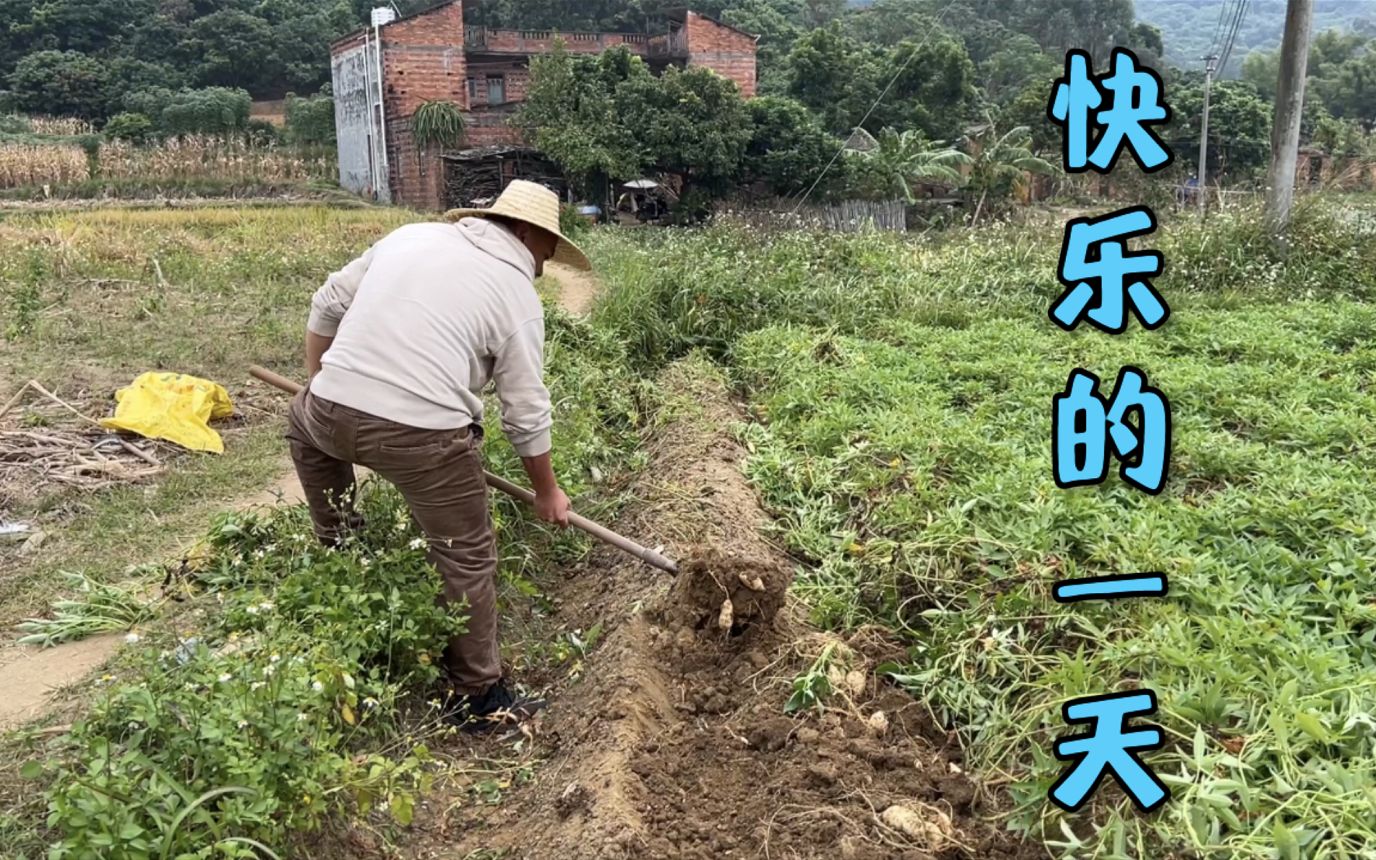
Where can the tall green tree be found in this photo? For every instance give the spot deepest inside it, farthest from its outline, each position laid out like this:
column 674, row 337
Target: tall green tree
column 933, row 87
column 1020, row 63
column 834, row 75
column 231, row 48
column 1261, row 69
column 930, row 84
column 1348, row 88
column 788, row 149
column 691, row 123
column 778, row 24
column 60, row 83
column 1096, row 26
column 570, row 114
column 1239, row 126
column 89, row 26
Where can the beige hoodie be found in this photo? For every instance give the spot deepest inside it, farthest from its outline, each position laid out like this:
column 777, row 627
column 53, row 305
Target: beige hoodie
column 425, row 319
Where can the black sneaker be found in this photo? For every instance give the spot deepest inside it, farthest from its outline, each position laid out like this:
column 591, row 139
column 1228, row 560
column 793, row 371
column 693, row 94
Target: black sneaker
column 496, row 707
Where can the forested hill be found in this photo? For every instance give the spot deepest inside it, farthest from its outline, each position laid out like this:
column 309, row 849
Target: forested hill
column 97, row 58
column 1188, row 26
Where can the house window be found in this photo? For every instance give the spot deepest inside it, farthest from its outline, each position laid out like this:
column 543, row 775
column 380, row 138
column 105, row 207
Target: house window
column 472, row 90
column 496, row 89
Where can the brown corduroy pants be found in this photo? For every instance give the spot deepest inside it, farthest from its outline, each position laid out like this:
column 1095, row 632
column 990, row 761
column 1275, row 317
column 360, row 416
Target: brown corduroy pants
column 440, row 474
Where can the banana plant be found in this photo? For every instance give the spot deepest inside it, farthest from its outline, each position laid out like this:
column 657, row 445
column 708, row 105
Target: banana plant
column 1002, row 162
column 897, row 160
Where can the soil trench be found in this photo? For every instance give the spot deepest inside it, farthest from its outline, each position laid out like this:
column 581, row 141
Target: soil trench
column 674, row 742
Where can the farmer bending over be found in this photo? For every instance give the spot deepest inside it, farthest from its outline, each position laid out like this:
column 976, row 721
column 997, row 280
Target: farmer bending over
column 399, row 344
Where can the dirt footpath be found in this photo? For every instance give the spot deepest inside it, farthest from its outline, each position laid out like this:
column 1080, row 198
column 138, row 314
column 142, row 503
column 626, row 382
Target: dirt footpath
column 577, row 290
column 675, row 743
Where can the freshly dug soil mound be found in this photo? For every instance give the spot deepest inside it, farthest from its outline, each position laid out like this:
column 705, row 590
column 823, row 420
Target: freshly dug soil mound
column 726, row 590
column 674, row 742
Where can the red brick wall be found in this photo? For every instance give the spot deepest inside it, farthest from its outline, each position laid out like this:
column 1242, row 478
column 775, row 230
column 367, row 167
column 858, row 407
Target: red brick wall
column 422, row 60
column 727, row 52
column 488, row 126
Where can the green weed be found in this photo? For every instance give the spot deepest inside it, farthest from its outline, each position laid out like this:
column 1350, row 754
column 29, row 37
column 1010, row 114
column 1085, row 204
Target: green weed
column 812, row 688
column 99, row 609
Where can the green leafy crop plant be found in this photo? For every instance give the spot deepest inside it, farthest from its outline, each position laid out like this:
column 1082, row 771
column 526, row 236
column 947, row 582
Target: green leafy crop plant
column 900, row 397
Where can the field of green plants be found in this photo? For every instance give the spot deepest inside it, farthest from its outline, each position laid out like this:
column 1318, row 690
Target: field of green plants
column 901, row 401
column 898, row 395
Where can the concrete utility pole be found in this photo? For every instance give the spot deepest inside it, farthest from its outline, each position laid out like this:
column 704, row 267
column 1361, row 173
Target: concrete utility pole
column 1202, row 176
column 1285, row 134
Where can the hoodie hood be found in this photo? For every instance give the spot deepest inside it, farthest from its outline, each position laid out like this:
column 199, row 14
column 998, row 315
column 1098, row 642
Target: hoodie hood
column 494, row 239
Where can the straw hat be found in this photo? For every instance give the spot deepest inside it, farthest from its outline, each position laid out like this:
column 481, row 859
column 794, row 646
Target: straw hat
column 533, row 204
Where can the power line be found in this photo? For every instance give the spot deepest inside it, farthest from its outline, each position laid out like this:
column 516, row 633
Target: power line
column 1232, row 37
column 893, row 80
column 1218, row 27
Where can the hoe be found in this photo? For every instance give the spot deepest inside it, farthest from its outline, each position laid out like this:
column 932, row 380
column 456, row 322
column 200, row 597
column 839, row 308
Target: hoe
column 602, row 533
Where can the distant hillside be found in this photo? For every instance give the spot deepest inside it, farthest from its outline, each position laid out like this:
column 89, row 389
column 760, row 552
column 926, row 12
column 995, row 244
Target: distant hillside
column 1188, row 26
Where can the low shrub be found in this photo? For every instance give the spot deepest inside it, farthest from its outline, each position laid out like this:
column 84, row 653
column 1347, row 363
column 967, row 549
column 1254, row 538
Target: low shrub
column 310, row 120
column 131, row 127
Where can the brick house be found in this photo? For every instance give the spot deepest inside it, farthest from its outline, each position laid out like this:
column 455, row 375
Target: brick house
column 384, row 72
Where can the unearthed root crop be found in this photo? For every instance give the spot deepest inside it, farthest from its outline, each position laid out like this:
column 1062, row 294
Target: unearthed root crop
column 676, row 744
column 855, row 683
column 930, row 828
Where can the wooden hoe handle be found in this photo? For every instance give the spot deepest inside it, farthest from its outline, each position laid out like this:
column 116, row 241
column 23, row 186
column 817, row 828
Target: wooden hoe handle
column 600, row 532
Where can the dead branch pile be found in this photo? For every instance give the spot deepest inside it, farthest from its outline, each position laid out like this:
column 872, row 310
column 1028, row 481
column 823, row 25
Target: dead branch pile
column 33, row 459
column 90, row 458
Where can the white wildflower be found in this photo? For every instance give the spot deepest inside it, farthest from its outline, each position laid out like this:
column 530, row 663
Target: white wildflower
column 418, row 543
column 301, row 718
column 252, row 610
column 268, row 671
column 318, row 687
column 243, row 724
column 370, row 702
column 226, row 678
column 265, row 606
column 275, row 658
column 131, row 638
column 257, row 685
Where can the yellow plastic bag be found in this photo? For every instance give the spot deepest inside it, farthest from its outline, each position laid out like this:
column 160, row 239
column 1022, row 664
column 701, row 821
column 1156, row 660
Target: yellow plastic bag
column 174, row 407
